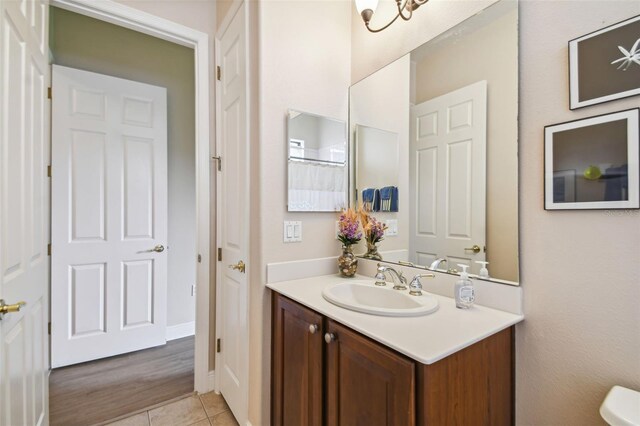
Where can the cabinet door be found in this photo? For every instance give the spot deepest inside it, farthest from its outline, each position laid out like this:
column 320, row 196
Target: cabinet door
column 296, row 364
column 367, row 384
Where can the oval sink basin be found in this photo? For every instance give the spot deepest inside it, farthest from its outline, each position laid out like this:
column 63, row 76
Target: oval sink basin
column 364, row 296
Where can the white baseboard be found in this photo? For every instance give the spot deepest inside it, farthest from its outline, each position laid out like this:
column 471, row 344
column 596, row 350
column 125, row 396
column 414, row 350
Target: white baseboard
column 181, row 330
column 212, row 381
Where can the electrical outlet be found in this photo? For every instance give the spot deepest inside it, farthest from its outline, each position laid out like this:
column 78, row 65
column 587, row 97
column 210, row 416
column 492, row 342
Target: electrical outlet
column 193, row 290
column 392, row 228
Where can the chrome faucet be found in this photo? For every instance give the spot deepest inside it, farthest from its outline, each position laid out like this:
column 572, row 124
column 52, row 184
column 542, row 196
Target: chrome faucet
column 400, row 283
column 415, row 288
column 434, row 265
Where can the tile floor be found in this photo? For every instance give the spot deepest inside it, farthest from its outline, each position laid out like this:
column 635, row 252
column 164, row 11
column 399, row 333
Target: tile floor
column 198, row 410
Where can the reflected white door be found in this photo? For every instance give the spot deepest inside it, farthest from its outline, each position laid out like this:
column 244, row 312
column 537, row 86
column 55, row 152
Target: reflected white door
column 233, row 224
column 24, row 211
column 448, row 186
column 109, row 211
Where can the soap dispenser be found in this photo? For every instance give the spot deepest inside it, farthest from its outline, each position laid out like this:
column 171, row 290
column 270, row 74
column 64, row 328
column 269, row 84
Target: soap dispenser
column 464, row 291
column 484, row 272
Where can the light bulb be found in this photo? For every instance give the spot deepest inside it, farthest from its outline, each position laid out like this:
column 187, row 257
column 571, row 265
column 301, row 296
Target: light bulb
column 363, row 5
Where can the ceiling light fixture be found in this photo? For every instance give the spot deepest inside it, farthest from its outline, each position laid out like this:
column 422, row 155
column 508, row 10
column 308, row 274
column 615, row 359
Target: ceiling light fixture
column 366, row 8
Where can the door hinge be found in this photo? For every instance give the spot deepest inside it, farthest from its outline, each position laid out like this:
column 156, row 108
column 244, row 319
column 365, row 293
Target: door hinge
column 199, row 258
column 219, row 160
column 218, row 73
column 49, row 93
column 49, row 249
column 49, row 328
column 48, row 171
column 219, row 255
column 218, row 345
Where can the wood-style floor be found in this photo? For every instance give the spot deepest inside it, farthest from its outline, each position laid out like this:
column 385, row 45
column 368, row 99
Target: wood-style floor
column 98, row 391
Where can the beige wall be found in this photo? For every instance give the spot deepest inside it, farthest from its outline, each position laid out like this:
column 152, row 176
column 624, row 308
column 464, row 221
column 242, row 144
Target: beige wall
column 490, row 54
column 304, row 65
column 81, row 42
column 196, row 14
column 582, row 332
column 222, row 7
column 372, row 52
column 580, row 270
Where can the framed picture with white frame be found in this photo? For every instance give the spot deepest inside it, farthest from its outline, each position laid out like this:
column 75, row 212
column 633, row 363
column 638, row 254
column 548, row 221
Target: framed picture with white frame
column 593, row 163
column 605, row 64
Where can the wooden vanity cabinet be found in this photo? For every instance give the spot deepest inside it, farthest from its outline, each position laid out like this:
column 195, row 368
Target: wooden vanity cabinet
column 352, row 380
column 296, row 364
column 366, row 383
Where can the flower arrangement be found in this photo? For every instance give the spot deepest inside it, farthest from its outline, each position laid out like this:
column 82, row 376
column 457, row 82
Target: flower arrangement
column 373, row 228
column 373, row 233
column 348, row 224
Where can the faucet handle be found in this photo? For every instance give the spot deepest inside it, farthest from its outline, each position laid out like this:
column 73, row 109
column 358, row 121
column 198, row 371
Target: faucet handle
column 415, row 288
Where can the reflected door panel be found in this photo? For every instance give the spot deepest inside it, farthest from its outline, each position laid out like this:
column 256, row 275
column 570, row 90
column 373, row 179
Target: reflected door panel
column 448, row 157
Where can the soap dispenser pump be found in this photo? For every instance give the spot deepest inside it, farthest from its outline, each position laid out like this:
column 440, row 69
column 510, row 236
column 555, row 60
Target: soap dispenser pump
column 464, row 291
column 484, row 272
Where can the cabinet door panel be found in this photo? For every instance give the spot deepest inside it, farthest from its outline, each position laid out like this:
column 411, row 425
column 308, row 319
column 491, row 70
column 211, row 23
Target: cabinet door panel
column 367, row 384
column 296, row 365
column 473, row 386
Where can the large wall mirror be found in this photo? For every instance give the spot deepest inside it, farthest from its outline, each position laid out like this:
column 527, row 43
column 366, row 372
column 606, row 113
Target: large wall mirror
column 440, row 127
column 317, row 164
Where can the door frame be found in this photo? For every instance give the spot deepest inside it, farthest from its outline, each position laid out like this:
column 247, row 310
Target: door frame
column 234, row 8
column 137, row 20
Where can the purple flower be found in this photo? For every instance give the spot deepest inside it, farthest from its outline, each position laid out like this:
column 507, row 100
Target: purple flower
column 349, row 228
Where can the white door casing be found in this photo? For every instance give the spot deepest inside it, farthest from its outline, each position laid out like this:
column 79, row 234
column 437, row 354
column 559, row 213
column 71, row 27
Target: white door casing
column 233, row 216
column 135, row 19
column 448, row 186
column 24, row 211
column 109, row 210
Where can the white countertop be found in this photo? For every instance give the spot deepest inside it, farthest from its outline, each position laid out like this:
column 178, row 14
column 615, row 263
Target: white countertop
column 426, row 339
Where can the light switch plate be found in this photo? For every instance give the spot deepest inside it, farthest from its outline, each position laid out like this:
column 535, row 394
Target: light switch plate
column 292, row 232
column 392, row 228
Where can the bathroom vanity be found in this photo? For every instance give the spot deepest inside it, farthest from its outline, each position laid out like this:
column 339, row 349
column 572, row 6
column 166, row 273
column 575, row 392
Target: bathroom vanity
column 335, row 366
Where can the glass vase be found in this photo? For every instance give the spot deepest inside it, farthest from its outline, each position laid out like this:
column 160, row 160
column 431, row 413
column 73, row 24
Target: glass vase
column 347, row 262
column 372, row 252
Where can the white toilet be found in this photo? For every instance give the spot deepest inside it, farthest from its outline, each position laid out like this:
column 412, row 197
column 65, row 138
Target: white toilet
column 621, row 407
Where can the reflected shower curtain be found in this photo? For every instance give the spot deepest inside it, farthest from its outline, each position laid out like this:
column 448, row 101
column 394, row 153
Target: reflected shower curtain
column 316, row 187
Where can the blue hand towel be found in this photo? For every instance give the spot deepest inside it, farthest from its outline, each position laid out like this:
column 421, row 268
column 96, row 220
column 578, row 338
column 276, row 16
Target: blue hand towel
column 368, row 196
column 389, row 199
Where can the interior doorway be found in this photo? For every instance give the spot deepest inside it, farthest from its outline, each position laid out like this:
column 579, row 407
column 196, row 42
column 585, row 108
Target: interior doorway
column 151, row 298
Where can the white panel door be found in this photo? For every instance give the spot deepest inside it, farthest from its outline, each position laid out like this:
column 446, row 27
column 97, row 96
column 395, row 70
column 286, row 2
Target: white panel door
column 448, row 169
column 109, row 211
column 24, row 211
column 233, row 223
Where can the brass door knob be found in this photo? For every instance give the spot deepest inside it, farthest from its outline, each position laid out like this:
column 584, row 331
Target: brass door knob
column 475, row 248
column 8, row 309
column 240, row 266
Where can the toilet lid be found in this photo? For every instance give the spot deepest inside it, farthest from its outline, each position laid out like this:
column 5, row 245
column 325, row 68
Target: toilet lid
column 621, row 407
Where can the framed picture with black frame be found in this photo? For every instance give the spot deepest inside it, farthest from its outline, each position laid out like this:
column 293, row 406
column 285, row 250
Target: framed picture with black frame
column 605, row 64
column 593, row 163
